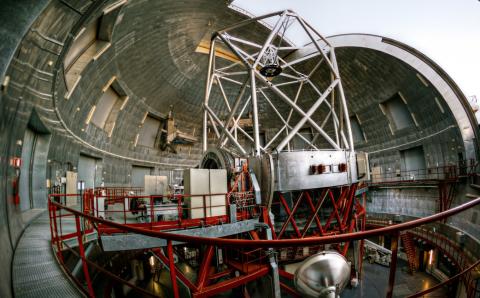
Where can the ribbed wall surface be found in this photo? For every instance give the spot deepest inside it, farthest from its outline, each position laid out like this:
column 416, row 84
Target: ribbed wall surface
column 152, row 55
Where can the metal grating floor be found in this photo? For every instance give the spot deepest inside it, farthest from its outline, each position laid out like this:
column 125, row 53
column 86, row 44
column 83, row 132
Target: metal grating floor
column 36, row 272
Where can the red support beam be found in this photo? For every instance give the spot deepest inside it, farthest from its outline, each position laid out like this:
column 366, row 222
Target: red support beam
column 57, row 237
column 180, row 275
column 50, row 216
column 230, row 284
column 254, row 235
column 205, row 267
column 347, row 244
column 81, row 249
column 285, row 274
column 362, row 242
column 349, row 203
column 220, row 274
column 290, row 291
column 266, row 219
column 314, row 215
column 334, row 213
column 393, row 265
column 173, row 271
column 290, row 216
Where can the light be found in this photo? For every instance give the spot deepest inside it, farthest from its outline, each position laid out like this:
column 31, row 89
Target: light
column 151, row 260
column 430, row 257
column 81, row 185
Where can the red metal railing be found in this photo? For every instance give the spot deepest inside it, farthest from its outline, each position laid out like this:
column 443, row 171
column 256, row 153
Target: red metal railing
column 441, row 172
column 451, row 249
column 466, row 273
column 85, row 223
column 164, row 212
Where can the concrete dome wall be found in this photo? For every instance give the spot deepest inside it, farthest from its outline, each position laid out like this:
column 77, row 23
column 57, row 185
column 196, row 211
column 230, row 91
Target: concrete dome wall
column 373, row 69
column 152, row 54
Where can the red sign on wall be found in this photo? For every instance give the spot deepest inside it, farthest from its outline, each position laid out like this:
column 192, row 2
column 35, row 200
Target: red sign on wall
column 16, row 162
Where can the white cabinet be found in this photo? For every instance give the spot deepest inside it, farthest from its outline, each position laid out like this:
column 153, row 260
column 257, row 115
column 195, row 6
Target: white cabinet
column 205, row 182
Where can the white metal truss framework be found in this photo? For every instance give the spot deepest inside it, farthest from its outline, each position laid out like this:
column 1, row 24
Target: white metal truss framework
column 232, row 57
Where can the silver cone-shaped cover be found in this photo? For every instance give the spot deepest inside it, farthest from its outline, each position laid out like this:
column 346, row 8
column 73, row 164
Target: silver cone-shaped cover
column 322, row 275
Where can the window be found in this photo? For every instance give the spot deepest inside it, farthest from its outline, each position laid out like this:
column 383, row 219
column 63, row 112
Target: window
column 104, row 114
column 91, row 41
column 396, row 110
column 149, row 133
column 357, row 132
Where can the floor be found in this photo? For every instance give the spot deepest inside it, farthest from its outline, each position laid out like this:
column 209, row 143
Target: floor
column 36, row 272
column 374, row 285
column 376, row 280
column 160, row 283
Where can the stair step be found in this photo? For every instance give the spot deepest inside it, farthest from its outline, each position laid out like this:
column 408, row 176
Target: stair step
column 469, row 195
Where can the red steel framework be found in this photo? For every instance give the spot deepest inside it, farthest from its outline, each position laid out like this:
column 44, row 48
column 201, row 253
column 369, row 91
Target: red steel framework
column 311, row 219
column 254, row 251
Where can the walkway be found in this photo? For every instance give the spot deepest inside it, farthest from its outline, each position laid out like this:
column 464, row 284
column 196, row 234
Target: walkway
column 36, row 272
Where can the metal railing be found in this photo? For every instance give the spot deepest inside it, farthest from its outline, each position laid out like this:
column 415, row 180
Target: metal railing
column 441, row 172
column 163, row 212
column 464, row 261
column 85, row 224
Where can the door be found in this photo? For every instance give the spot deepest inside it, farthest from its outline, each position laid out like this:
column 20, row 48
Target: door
column 414, row 163
column 26, row 199
column 138, row 175
column 87, row 170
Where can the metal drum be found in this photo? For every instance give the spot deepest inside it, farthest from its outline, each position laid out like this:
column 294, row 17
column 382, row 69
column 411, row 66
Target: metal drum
column 217, row 158
column 323, row 275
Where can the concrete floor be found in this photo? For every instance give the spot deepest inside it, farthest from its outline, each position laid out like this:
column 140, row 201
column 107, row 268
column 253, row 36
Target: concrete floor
column 373, row 285
column 375, row 281
column 160, row 284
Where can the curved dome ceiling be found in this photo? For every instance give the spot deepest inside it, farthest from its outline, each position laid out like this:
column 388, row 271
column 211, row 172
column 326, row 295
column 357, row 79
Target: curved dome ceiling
column 153, row 56
column 149, row 55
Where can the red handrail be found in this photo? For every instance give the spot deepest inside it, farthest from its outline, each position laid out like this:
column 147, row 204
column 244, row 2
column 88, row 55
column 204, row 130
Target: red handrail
column 282, row 242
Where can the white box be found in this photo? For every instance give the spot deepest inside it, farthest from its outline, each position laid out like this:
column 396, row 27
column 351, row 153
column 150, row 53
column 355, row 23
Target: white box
column 155, row 185
column 218, row 185
column 196, row 182
column 204, row 182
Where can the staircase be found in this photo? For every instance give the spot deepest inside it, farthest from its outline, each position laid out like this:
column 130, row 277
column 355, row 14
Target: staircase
column 409, row 247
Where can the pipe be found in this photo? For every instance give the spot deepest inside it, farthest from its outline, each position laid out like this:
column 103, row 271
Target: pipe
column 207, row 95
column 256, row 132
